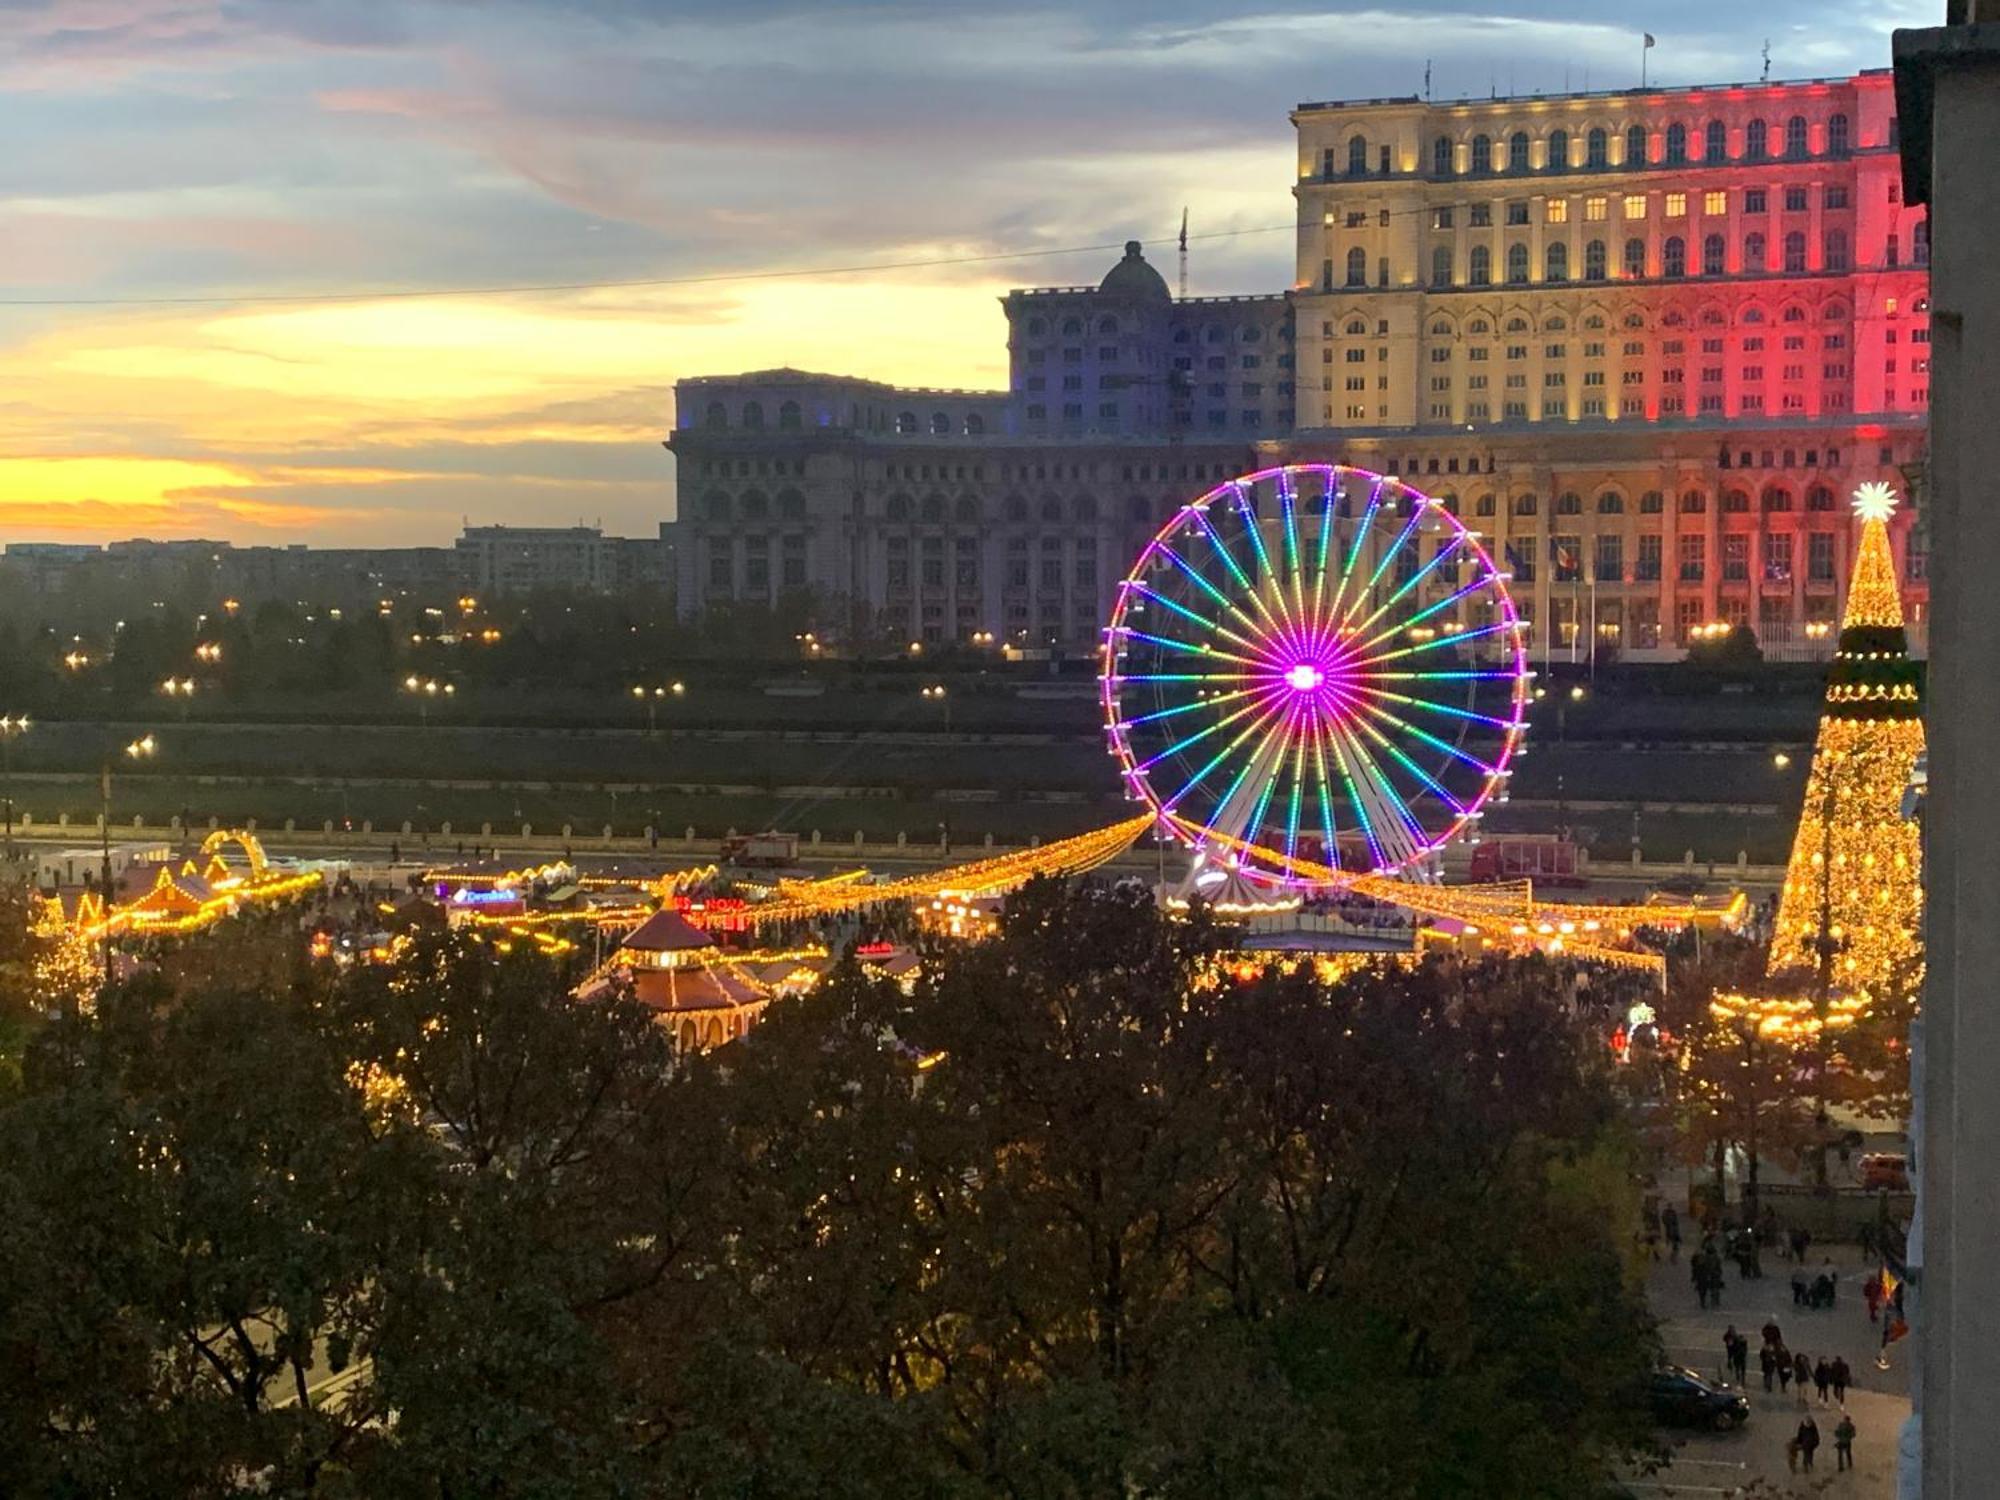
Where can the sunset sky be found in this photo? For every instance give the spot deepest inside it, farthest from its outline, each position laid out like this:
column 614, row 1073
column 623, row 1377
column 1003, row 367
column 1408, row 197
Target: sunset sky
column 235, row 149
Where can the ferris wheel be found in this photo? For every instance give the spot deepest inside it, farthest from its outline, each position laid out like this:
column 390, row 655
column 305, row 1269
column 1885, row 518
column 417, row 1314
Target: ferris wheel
column 1315, row 662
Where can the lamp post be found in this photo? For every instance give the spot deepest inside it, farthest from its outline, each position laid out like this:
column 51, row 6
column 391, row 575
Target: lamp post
column 139, row 749
column 181, row 688
column 652, row 695
column 426, row 690
column 10, row 725
column 936, row 694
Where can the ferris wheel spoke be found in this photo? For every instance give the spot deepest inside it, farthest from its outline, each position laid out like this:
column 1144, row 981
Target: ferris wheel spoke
column 1441, row 641
column 1332, row 855
column 1192, row 648
column 1429, row 706
column 1200, row 705
column 1288, row 507
column 1410, row 586
column 1395, row 752
column 1429, row 611
column 1354, row 547
column 1268, row 577
column 1328, row 490
column 1404, row 834
column 1221, row 755
column 1195, row 574
column 1382, row 563
column 1250, row 589
column 1417, row 732
column 1384, row 816
column 1298, row 787
column 1199, row 735
column 1198, row 618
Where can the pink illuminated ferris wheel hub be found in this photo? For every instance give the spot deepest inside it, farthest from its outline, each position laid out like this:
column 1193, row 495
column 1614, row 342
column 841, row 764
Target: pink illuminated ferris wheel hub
column 1304, row 678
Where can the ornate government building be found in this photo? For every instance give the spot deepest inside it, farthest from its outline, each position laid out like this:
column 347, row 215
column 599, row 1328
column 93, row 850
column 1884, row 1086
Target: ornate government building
column 1646, row 341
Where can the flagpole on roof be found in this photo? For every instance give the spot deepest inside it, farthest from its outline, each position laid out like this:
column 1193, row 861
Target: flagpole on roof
column 1644, row 47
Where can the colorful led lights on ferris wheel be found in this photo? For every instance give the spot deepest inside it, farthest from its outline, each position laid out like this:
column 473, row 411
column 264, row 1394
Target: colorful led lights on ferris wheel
column 1306, row 718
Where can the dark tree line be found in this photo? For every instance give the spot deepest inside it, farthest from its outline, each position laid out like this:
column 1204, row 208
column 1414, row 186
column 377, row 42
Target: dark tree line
column 1083, row 1216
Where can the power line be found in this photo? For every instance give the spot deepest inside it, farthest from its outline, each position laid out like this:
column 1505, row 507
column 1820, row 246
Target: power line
column 383, row 294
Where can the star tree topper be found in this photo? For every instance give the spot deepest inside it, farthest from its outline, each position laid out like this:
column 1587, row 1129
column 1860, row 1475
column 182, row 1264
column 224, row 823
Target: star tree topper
column 1875, row 501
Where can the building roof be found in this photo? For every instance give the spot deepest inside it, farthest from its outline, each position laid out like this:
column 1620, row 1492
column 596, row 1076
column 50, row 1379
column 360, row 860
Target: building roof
column 1133, row 277
column 699, row 989
column 667, row 932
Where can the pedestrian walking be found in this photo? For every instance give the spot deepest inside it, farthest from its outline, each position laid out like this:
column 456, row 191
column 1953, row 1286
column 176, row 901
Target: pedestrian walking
column 1802, row 1372
column 1871, row 1293
column 1843, row 1444
column 1767, row 1361
column 1808, row 1441
column 1784, row 1370
column 1773, row 1336
column 1798, row 1286
column 1671, row 1223
column 1842, row 1375
column 1698, row 1274
column 1822, row 1378
column 1739, row 1361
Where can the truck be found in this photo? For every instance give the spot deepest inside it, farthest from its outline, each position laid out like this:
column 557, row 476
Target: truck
column 767, row 851
column 1545, row 858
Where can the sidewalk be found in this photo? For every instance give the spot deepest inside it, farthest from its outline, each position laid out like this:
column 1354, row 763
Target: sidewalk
column 1709, row 1466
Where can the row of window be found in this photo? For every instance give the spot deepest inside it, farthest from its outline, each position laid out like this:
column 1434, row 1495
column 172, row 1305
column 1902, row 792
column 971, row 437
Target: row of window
column 1485, row 154
column 1214, row 333
column 790, row 419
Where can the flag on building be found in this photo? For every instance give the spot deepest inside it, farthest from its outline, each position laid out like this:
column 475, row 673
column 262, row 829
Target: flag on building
column 1649, row 40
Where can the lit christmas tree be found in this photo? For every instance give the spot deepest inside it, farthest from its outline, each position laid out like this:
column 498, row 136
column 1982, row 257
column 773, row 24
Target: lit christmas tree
column 1853, row 891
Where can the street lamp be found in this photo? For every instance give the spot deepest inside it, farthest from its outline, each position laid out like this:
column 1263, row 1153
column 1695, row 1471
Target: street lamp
column 10, row 725
column 181, row 688
column 137, row 750
column 936, row 694
column 652, row 695
column 425, row 690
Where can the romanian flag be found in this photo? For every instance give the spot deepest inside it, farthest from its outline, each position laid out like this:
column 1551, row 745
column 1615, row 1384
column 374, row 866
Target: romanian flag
column 1887, row 1282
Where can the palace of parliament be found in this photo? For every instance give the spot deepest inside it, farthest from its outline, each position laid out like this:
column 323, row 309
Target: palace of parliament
column 1648, row 341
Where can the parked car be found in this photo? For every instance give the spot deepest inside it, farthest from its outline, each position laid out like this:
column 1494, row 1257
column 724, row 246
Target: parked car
column 1880, row 1171
column 1682, row 1398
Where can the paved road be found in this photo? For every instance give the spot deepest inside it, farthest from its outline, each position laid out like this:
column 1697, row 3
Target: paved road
column 1708, row 1466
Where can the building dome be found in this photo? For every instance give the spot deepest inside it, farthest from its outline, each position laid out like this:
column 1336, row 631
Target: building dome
column 1132, row 277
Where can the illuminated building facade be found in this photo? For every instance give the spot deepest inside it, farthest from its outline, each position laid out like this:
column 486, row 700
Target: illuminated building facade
column 1644, row 340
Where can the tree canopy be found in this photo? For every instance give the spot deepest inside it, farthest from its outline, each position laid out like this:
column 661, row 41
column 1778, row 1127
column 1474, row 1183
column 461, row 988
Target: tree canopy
column 1086, row 1213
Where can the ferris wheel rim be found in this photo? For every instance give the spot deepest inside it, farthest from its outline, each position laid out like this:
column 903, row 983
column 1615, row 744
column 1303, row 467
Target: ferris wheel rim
column 1261, row 650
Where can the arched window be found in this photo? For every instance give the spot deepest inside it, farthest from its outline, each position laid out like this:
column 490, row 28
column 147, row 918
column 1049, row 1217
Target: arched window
column 1517, row 263
column 1735, row 503
column 1611, row 503
column 1251, row 333
column 1635, row 145
column 1597, row 148
column 1357, row 156
column 1834, row 312
column 1478, row 325
column 1795, row 136
column 1441, row 156
column 1594, row 261
column 966, row 511
column 1835, row 248
column 788, row 417
column 1355, row 328
column 1794, row 314
column 1482, row 153
column 1652, row 503
column 1557, row 263
column 1517, row 151
column 791, row 505
column 898, row 508
column 1752, row 315
column 1777, row 501
column 1554, row 323
column 753, row 415
column 1693, row 503
column 940, row 424
column 1674, row 256
column 1524, row 505
column 1714, row 255
column 1037, row 326
column 1795, row 250
column 1107, row 324
column 1072, row 326
column 1714, row 141
column 1084, row 509
column 715, row 505
column 1483, row 506
column 1837, row 135
column 906, row 422
column 1479, row 266
column 1756, row 256
column 1677, row 144
column 1756, row 136
column 1635, row 258
column 1357, row 267
column 1819, row 498
column 716, row 416
column 1558, row 150
column 974, row 424
column 1569, row 503
column 1441, row 265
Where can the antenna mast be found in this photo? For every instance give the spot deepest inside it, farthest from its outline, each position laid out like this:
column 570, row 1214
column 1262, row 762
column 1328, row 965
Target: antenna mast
column 1184, row 217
